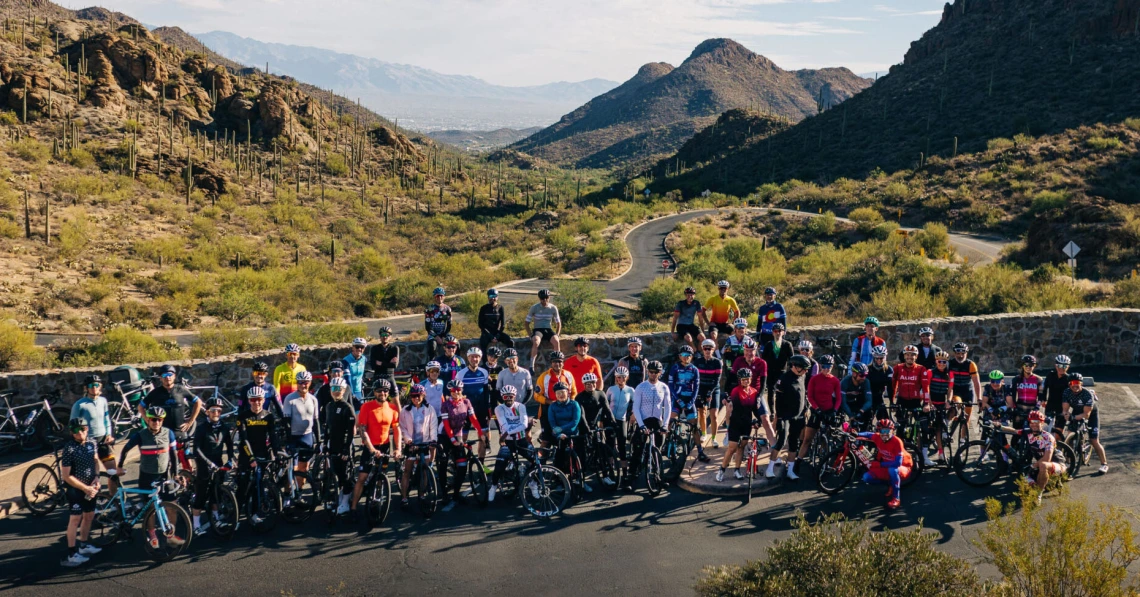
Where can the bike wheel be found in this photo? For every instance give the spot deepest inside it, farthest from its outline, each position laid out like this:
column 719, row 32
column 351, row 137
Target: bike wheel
column 672, row 458
column 751, row 476
column 545, row 492
column 611, row 467
column 49, row 433
column 265, row 505
column 917, row 467
column 836, row 471
column 480, row 485
column 106, row 527
column 1064, row 454
column 427, row 493
column 304, row 498
column 379, row 500
column 654, row 481
column 223, row 506
column 41, row 489
column 977, row 463
column 173, row 537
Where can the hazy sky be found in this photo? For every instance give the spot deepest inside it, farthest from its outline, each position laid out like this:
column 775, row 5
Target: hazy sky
column 527, row 42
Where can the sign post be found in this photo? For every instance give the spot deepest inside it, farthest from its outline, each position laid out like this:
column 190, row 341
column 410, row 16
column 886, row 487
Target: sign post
column 1071, row 251
column 665, row 263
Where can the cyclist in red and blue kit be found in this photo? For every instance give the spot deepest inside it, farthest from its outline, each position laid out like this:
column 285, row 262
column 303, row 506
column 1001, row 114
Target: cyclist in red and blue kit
column 892, row 462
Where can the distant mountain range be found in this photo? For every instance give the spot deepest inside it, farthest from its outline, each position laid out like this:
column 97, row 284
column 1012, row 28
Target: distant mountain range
column 482, row 140
column 661, row 107
column 421, row 98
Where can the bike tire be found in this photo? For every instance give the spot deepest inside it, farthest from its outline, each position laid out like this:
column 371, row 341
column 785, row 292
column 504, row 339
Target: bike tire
column 302, row 505
column 173, row 540
column 1065, row 455
column 654, row 481
column 49, row 433
column 672, row 459
column 480, row 485
column 270, row 506
column 977, row 463
column 427, row 493
column 41, row 489
column 612, row 468
column 545, row 492
column 226, row 521
column 379, row 501
column 916, row 468
column 106, row 527
column 836, row 471
column 751, row 476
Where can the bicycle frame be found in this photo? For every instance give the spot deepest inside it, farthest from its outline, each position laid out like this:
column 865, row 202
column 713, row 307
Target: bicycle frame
column 152, row 500
column 10, row 416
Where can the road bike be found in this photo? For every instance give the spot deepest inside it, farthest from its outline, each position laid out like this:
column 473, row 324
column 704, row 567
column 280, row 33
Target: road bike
column 543, row 490
column 123, row 406
column 221, row 506
column 324, row 477
column 476, row 477
column 262, row 498
column 422, row 479
column 377, row 490
column 752, row 445
column 42, row 487
column 229, row 408
column 1082, row 447
column 834, row 349
column 980, row 462
column 116, row 518
column 602, row 457
column 854, row 455
column 572, row 465
column 679, row 441
column 299, row 494
column 34, row 425
column 651, row 463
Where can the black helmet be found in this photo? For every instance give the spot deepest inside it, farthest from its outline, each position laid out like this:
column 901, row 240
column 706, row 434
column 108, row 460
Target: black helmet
column 654, row 367
column 690, row 290
column 156, row 412
column 556, row 355
column 384, row 331
column 1029, row 360
column 779, row 327
column 494, row 352
column 561, row 386
column 800, row 361
column 961, row 347
column 334, row 366
column 511, row 353
column 1076, row 377
column 261, row 367
column 826, row 361
column 382, row 385
column 76, row 424
column 214, row 403
column 544, row 293
column 90, row 379
column 580, row 341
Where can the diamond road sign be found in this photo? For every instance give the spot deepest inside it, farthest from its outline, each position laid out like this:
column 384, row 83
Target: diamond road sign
column 1071, row 250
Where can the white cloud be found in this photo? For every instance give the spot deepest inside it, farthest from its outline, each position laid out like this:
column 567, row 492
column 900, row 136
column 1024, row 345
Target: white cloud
column 917, row 13
column 852, row 19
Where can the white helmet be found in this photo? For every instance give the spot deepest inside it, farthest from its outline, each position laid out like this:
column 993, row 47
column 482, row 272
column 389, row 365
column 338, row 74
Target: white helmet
column 804, row 345
column 589, row 378
column 722, row 284
column 740, row 322
column 474, row 351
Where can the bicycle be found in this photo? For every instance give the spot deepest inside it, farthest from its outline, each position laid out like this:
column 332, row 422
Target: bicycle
column 116, row 518
column 476, row 476
column 752, row 445
column 679, row 441
column 34, row 430
column 221, row 503
column 980, row 462
column 821, row 444
column 651, row 464
column 910, row 430
column 601, row 457
column 853, row 455
column 377, row 491
column 422, row 479
column 262, row 498
column 565, row 452
column 834, row 346
column 326, row 486
column 543, row 489
column 229, row 409
column 299, row 493
column 1079, row 441
column 123, row 410
column 42, row 487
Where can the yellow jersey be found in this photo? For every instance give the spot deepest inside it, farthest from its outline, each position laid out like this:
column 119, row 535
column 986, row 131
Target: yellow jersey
column 285, row 379
column 717, row 309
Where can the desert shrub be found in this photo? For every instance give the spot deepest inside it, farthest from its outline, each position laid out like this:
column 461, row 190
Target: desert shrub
column 581, row 308
column 214, row 342
column 935, row 239
column 1100, row 143
column 884, row 231
column 744, row 253
column 31, row 150
column 335, row 164
column 528, row 267
column 79, row 157
column 907, row 302
column 563, row 241
column 238, row 305
column 411, row 289
column 129, row 313
column 74, row 234
column 705, row 265
column 9, row 228
column 999, row 144
column 1132, row 123
column 897, row 192
column 18, row 348
column 1047, row 200
column 119, row 346
column 1127, row 293
column 660, row 297
column 865, row 218
column 469, row 303
column 369, row 266
column 823, row 225
column 588, row 223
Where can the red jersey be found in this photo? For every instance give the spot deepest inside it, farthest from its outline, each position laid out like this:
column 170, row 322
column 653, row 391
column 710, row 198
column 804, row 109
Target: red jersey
column 758, row 366
column 939, row 384
column 823, row 393
column 910, row 382
column 1027, row 390
column 890, row 451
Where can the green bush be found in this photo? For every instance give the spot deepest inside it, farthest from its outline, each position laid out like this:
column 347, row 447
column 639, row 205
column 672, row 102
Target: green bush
column 214, row 342
column 865, row 218
column 836, row 557
column 74, row 234
column 528, row 267
column 907, row 302
column 1047, row 200
column 121, row 345
column 581, row 308
column 935, row 239
column 469, row 303
column 31, row 150
column 18, row 348
column 335, row 164
column 999, row 144
column 884, row 231
column 660, row 297
column 823, row 225
column 744, row 253
column 1102, row 143
column 369, row 266
column 1126, row 293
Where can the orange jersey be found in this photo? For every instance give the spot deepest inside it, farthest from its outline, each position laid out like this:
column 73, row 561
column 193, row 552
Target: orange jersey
column 578, row 367
column 379, row 420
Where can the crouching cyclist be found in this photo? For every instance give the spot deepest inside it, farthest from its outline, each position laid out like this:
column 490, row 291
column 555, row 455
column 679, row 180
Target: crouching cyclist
column 892, row 462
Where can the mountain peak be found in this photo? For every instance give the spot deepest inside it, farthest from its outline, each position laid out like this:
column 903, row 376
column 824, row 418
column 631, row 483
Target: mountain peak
column 719, row 44
column 653, row 70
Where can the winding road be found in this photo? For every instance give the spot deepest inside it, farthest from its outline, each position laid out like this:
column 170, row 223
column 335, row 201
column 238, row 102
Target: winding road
column 646, row 247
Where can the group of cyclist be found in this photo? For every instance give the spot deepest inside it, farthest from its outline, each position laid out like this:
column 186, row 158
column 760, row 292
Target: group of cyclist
column 758, row 380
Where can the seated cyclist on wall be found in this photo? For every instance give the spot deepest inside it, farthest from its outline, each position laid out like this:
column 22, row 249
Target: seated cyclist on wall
column 543, row 324
column 437, row 321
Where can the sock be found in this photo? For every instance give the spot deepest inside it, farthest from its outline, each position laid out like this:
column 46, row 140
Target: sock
column 722, row 469
column 74, row 549
column 197, row 521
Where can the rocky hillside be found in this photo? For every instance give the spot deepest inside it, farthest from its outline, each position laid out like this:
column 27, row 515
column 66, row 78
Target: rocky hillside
column 661, row 107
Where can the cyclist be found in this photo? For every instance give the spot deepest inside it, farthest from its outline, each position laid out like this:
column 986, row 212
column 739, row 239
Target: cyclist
column 721, row 309
column 418, row 425
column 769, row 315
column 967, row 381
column 257, row 439
column 892, row 462
column 339, row 431
column 619, row 396
column 1082, row 403
column 826, row 401
column 856, row 390
column 492, row 323
column 1026, row 391
column 437, row 321
column 158, row 453
column 435, row 389
column 544, row 387
column 514, row 425
column 651, row 408
column 790, row 406
column 882, row 378
column 580, row 363
column 92, row 408
column 734, row 344
column 385, row 356
column 477, row 390
column 751, row 361
column 595, row 411
column 940, row 385
column 354, row 364
column 564, row 417
column 211, row 441
column 515, row 376
column 927, row 350
column 304, row 424
column 633, row 362
column 542, row 324
column 450, row 362
column 806, row 350
column 865, row 342
column 996, row 394
column 285, row 374
column 379, row 427
column 180, row 405
column 912, row 387
column 260, row 379
column 81, row 481
column 324, row 393
column 1056, row 382
column 684, row 380
column 491, row 364
column 320, row 380
column 686, row 315
column 775, row 351
column 458, row 417
column 711, row 370
column 1041, row 445
column 745, row 402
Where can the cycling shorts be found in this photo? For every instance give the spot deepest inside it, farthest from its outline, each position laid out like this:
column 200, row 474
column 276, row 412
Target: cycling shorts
column 545, row 333
column 693, row 331
column 104, row 451
column 78, row 502
column 723, row 329
column 366, row 458
column 1093, row 424
column 303, row 451
column 737, row 430
column 815, row 421
column 690, row 410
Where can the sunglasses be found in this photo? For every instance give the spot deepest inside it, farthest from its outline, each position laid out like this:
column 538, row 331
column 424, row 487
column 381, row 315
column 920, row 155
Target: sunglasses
column 167, row 375
column 94, row 385
column 942, row 362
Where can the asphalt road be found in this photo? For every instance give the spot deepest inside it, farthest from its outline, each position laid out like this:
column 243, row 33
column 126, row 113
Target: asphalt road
column 609, row 545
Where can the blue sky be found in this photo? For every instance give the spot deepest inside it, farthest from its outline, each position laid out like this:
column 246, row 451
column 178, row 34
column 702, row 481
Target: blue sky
column 529, row 42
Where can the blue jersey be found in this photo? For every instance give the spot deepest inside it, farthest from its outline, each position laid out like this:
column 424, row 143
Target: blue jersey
column 475, row 386
column 354, row 371
column 769, row 314
column 683, row 382
column 449, row 368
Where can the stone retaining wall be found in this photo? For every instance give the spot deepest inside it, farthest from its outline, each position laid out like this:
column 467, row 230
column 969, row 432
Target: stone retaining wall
column 1089, row 336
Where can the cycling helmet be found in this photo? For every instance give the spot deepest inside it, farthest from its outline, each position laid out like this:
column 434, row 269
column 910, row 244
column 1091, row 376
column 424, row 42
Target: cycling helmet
column 580, row 341
column 804, row 345
column 779, row 327
column 1037, row 415
column 708, row 344
column 166, row 370
column 722, row 284
column 1063, row 360
column 334, row 366
column 156, row 412
column 690, row 290
column 910, row 349
column 743, row 372
column 996, row 375
column 494, row 352
column 510, row 391
column 749, row 343
column 826, row 361
column 256, row 392
column 800, row 361
column 382, row 385
column 417, row 390
column 359, row 342
column 561, row 386
column 621, row 372
column 510, row 353
column 449, row 340
column 474, row 351
column 654, row 367
column 214, row 403
column 439, row 291
column 455, row 384
column 432, row 365
column 942, row 355
column 338, row 383
column 384, row 331
column 740, row 322
column 925, row 331
column 871, row 320
column 961, row 347
column 544, row 293
column 769, row 290
column 92, row 379
column 686, row 350
column 1076, row 377
column 304, row 376
column 589, row 378
column 77, row 424
column 292, row 348
column 633, row 340
column 1029, row 360
column 261, row 367
column 859, row 368
column 556, row 355
column 492, row 293
column 879, row 352
column 886, row 424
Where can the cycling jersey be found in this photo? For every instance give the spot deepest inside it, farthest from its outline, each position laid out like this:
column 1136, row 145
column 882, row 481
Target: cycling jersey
column 1055, row 388
column 890, row 453
column 437, row 320
column 577, row 367
column 449, row 366
column 777, row 357
column 856, row 396
column 938, row 384
column 434, row 394
column 861, row 349
column 636, row 369
column 791, row 396
column 255, row 433
column 380, row 420
column 80, row 457
column 964, row 373
column 491, row 319
column 564, row 417
column 1039, row 443
column 475, row 387
column 995, row 398
column 651, row 401
column 824, row 395
column 457, row 416
column 710, row 370
column 156, row 450
column 927, row 355
column 301, row 412
column 718, row 309
column 910, row 382
column 1080, row 400
column 272, row 402
column 543, row 317
column 340, row 426
column 746, row 404
column 595, row 408
column 758, row 367
column 385, row 359
column 520, row 379
column 544, row 388
column 95, row 413
column 1028, row 391
column 211, row 441
column 620, row 400
column 512, row 419
column 178, row 402
column 683, row 381
column 418, row 424
column 285, row 378
column 882, row 384
column 354, row 373
column 686, row 312
column 733, row 348
column 769, row 314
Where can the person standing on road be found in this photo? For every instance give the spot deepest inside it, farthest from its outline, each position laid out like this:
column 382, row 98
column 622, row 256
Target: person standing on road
column 493, row 322
column 92, row 408
column 517, row 377
column 721, row 309
column 354, row 365
column 790, row 406
column 544, row 386
column 477, row 391
column 81, row 479
column 686, row 314
column 651, row 408
column 437, row 321
column 385, row 356
column 882, row 379
column 1080, row 404
column 340, row 429
column 379, row 427
column 768, row 316
column 304, row 423
column 212, row 441
column 181, row 407
column 776, row 352
column 543, row 324
column 708, row 394
column 869, row 339
column 1056, row 382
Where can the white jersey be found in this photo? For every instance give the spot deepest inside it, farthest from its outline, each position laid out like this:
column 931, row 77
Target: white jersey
column 651, row 400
